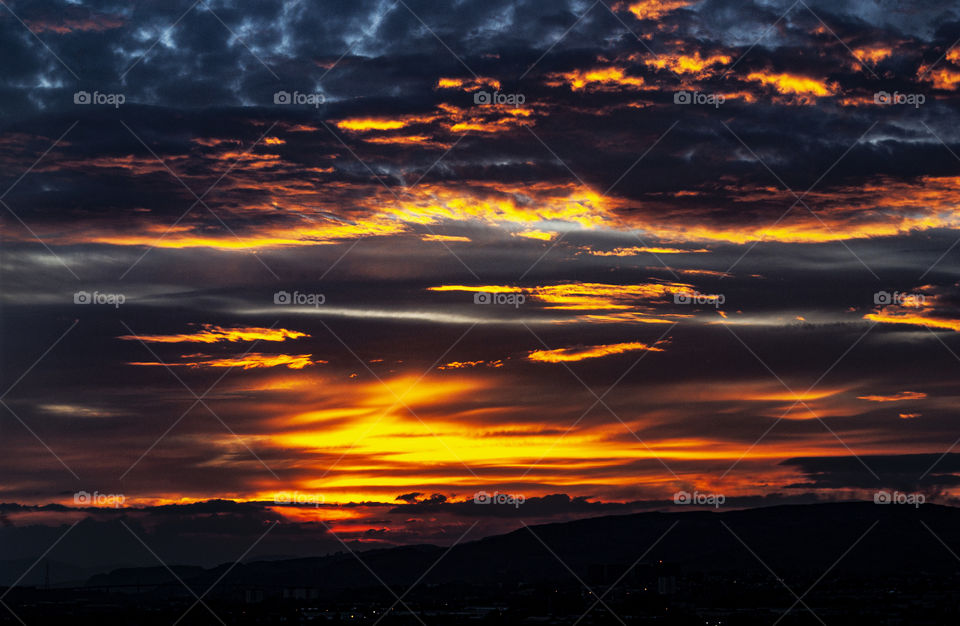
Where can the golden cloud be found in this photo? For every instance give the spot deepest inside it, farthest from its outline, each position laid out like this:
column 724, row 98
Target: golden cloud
column 655, row 9
column 925, row 308
column 580, row 353
column 694, row 64
column 599, row 79
column 793, row 84
column 254, row 360
column 456, row 365
column 468, row 84
column 215, row 334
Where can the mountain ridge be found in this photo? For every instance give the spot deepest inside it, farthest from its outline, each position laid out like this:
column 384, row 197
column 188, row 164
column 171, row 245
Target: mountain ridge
column 800, row 540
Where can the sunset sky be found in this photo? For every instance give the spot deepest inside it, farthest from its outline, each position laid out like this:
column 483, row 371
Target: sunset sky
column 375, row 257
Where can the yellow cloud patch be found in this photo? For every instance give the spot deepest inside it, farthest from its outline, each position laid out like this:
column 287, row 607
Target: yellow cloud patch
column 655, row 9
column 601, row 79
column 579, row 353
column 468, row 84
column 456, row 365
column 688, row 63
column 793, row 84
column 254, row 360
column 215, row 334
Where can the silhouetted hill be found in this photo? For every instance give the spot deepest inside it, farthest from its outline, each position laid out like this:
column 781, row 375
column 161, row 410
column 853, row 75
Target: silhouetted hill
column 796, row 541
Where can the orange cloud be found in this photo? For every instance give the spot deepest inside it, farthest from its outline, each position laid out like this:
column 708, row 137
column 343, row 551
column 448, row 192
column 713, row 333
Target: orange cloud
column 629, row 317
column 400, row 139
column 897, row 397
column 447, row 117
column 789, row 396
column 602, row 79
column 584, row 296
column 540, row 235
column 301, row 128
column 214, row 334
column 370, row 123
column 878, row 208
column 494, row 118
column 505, row 204
column 362, row 124
column 634, row 250
column 456, row 365
column 687, row 63
column 374, row 211
column 945, row 78
column 254, row 360
column 468, row 84
column 315, row 210
column 383, row 446
column 655, row 9
column 478, row 289
column 872, row 54
column 443, row 238
column 562, row 355
column 351, row 441
column 916, row 319
column 925, row 307
column 714, row 273
column 793, row 84
column 593, row 296
column 595, row 302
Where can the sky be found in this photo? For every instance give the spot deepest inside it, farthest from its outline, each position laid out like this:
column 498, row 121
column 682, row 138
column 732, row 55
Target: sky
column 341, row 269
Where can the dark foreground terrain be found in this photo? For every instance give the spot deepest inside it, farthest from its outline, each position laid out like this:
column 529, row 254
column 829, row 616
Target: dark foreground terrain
column 845, row 563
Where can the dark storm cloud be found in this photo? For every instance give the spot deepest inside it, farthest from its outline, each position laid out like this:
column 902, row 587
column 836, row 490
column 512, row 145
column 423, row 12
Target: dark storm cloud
column 265, row 45
column 397, row 77
column 928, row 473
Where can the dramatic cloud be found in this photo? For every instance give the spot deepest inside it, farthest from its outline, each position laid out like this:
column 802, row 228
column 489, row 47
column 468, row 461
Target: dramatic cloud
column 285, row 262
column 580, row 353
column 214, row 334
